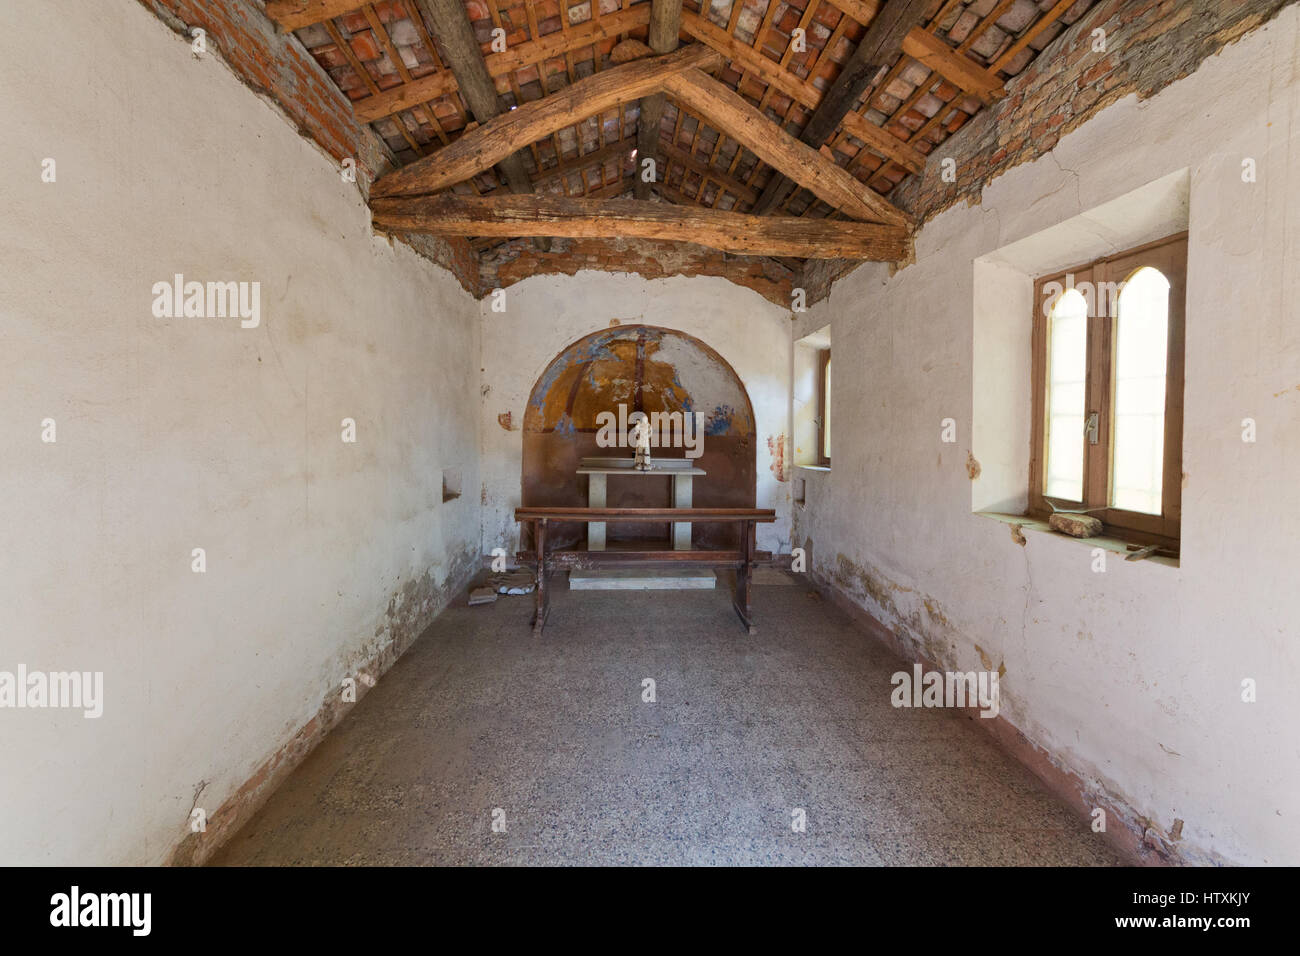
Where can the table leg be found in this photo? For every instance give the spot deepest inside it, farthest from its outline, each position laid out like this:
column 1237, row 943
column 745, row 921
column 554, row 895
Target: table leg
column 682, row 495
column 741, row 602
column 542, row 604
column 596, row 499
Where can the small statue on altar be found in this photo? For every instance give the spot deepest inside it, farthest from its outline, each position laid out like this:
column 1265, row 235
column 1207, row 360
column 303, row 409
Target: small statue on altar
column 641, row 439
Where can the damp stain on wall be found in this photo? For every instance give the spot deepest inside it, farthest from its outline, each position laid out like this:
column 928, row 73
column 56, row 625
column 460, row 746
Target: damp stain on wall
column 918, row 619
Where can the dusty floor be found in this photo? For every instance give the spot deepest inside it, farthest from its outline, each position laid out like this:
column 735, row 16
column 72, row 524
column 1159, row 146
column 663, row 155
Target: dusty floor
column 478, row 715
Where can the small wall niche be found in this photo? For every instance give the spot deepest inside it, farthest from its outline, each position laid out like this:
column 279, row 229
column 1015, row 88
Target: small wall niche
column 450, row 484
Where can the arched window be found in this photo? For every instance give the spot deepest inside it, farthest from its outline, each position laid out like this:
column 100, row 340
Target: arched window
column 1067, row 386
column 1138, row 409
column 824, row 399
column 1108, row 392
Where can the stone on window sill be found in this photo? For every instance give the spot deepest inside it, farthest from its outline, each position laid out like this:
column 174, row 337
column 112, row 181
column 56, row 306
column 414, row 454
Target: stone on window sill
column 1107, row 541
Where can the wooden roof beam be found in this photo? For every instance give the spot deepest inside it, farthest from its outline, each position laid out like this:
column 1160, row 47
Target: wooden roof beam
column 861, row 10
column 449, row 214
column 515, row 57
column 707, row 171
column 455, row 34
column 957, row 68
column 880, row 45
column 295, row 14
column 1043, row 22
column 665, row 24
column 489, row 143
column 730, row 113
column 770, row 72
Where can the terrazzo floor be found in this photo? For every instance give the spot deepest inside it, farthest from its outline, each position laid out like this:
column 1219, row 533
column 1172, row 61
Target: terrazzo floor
column 478, row 716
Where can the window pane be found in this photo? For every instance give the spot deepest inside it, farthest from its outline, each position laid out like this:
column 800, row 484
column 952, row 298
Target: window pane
column 1141, row 349
column 1067, row 369
column 826, row 415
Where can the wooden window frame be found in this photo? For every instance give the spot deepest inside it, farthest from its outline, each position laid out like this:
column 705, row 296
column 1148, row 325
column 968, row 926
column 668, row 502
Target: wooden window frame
column 1169, row 255
column 823, row 359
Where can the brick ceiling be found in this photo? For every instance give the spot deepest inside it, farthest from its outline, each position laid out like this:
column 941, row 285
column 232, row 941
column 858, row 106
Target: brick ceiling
column 383, row 57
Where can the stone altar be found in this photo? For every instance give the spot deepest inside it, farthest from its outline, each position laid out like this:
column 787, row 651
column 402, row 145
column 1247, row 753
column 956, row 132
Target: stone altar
column 598, row 471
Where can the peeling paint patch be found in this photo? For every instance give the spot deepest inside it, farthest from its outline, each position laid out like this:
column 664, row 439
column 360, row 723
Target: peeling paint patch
column 987, row 662
column 720, row 420
column 1017, row 536
column 776, row 448
column 972, row 466
column 932, row 609
column 506, row 421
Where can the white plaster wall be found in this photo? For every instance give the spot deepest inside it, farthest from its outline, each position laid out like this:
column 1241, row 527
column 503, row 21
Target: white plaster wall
column 544, row 314
column 182, row 433
column 1132, row 677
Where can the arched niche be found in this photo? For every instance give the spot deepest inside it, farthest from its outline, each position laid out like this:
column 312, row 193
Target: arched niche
column 647, row 369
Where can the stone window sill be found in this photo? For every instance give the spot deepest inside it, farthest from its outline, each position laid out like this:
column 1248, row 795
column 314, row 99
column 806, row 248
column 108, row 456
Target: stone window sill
column 1108, row 542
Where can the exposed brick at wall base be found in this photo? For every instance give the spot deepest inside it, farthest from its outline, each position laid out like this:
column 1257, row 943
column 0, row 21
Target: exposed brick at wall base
column 518, row 259
column 1140, row 841
column 274, row 64
column 1149, row 44
column 421, row 602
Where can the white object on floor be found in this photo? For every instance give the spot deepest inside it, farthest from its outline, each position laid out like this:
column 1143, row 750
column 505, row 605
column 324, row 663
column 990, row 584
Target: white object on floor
column 640, row 579
column 513, row 582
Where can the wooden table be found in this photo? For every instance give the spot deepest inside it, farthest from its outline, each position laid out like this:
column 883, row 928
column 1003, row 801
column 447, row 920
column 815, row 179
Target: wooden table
column 742, row 559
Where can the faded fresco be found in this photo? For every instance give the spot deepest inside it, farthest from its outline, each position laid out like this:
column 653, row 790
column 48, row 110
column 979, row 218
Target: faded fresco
column 647, row 369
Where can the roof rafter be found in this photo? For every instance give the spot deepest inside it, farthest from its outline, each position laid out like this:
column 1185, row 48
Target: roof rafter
column 517, row 56
column 485, row 145
column 295, row 14
column 926, row 48
column 880, row 45
column 731, row 113
column 665, row 24
column 772, row 73
column 465, row 58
